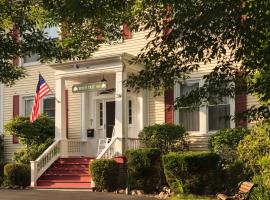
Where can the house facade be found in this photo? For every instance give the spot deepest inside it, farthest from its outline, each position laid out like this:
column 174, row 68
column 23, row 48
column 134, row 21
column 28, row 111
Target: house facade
column 96, row 116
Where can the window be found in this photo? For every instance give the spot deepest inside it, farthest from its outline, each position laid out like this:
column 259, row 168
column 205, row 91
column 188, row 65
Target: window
column 49, row 107
column 100, row 114
column 219, row 115
column 32, row 58
column 28, row 103
column 129, row 112
column 189, row 119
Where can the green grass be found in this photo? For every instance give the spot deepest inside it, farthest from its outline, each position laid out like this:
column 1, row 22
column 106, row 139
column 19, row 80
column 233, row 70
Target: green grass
column 192, row 197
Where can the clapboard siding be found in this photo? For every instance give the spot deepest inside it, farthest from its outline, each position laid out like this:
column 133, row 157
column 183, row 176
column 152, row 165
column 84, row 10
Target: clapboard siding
column 156, row 109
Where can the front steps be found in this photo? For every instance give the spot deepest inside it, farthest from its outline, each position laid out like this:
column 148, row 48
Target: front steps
column 67, row 173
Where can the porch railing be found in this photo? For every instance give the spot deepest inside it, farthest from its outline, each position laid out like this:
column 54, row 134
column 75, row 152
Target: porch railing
column 55, row 150
column 110, row 150
column 46, row 159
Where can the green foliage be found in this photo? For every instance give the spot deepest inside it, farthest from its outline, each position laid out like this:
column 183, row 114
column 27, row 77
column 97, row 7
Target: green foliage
column 262, row 191
column 225, row 143
column 1, row 148
column 145, row 169
column 255, row 146
column 2, row 164
column 31, row 133
column 197, row 172
column 166, row 137
column 18, row 174
column 104, row 173
column 30, row 153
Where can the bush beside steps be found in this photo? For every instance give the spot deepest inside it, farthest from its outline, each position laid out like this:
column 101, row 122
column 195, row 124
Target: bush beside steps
column 104, row 173
column 17, row 174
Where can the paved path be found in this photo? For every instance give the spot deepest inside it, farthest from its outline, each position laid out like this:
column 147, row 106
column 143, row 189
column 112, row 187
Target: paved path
column 64, row 195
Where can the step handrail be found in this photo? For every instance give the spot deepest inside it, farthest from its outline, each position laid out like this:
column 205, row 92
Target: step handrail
column 107, row 148
column 44, row 161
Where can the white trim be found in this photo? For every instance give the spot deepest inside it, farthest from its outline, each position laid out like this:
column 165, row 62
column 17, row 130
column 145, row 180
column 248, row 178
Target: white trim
column 203, row 112
column 23, row 98
column 1, row 109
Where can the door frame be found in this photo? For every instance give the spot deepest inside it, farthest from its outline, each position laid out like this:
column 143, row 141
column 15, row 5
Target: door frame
column 103, row 127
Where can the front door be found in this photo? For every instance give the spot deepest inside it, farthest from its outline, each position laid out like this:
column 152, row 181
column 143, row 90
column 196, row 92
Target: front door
column 110, row 118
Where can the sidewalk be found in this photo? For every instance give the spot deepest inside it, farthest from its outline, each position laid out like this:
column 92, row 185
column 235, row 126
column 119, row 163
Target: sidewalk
column 64, row 195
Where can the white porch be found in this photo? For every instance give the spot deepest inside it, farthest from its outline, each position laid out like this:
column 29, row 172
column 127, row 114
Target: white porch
column 116, row 112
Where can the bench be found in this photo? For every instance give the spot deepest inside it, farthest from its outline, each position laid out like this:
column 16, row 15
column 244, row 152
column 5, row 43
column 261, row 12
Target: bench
column 242, row 192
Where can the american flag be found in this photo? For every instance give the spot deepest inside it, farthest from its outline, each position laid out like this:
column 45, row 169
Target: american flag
column 42, row 90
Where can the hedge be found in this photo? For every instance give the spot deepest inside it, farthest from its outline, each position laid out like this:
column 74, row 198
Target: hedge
column 145, row 169
column 18, row 174
column 104, row 173
column 165, row 137
column 192, row 172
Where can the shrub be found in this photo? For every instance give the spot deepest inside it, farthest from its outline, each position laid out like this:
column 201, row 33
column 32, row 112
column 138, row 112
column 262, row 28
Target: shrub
column 192, row 172
column 31, row 133
column 166, row 137
column 32, row 152
column 255, row 146
column 2, row 164
column 225, row 143
column 104, row 173
column 1, row 148
column 262, row 192
column 18, row 174
column 145, row 169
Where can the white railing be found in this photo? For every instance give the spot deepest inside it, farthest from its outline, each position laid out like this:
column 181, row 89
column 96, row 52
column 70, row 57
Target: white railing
column 109, row 151
column 63, row 148
column 44, row 161
column 133, row 143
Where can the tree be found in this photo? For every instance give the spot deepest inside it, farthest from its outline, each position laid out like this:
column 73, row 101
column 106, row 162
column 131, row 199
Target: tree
column 23, row 23
column 190, row 33
column 184, row 35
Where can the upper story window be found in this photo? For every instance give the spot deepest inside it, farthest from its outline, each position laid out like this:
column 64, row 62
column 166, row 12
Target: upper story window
column 50, row 32
column 219, row 115
column 33, row 58
column 190, row 119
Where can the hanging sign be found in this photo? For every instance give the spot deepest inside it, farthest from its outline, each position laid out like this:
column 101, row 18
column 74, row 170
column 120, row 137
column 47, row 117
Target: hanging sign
column 88, row 87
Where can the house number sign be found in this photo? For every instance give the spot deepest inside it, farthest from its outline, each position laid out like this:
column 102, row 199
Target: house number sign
column 88, row 87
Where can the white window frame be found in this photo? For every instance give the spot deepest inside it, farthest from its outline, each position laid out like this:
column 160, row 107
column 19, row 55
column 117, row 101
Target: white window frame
column 203, row 111
column 133, row 111
column 22, row 103
column 48, row 96
column 29, row 63
column 27, row 97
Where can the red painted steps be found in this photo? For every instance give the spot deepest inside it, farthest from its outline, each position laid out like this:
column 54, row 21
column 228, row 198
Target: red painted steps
column 67, row 173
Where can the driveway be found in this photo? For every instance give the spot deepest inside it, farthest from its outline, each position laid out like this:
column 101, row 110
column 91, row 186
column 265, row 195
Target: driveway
column 64, row 195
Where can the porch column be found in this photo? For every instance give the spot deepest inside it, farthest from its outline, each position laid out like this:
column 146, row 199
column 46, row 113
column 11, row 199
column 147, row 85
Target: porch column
column 60, row 109
column 120, row 111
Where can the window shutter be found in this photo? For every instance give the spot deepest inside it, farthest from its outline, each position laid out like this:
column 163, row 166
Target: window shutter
column 16, row 112
column 240, row 97
column 240, row 106
column 66, row 101
column 127, row 34
column 169, row 106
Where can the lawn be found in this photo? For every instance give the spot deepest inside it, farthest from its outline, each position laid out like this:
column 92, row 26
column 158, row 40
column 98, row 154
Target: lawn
column 192, row 197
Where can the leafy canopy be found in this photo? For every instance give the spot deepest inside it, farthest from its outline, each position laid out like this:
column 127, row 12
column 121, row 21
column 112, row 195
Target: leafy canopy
column 232, row 35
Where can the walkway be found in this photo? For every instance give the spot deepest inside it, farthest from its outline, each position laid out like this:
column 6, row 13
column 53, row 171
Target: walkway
column 64, row 195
